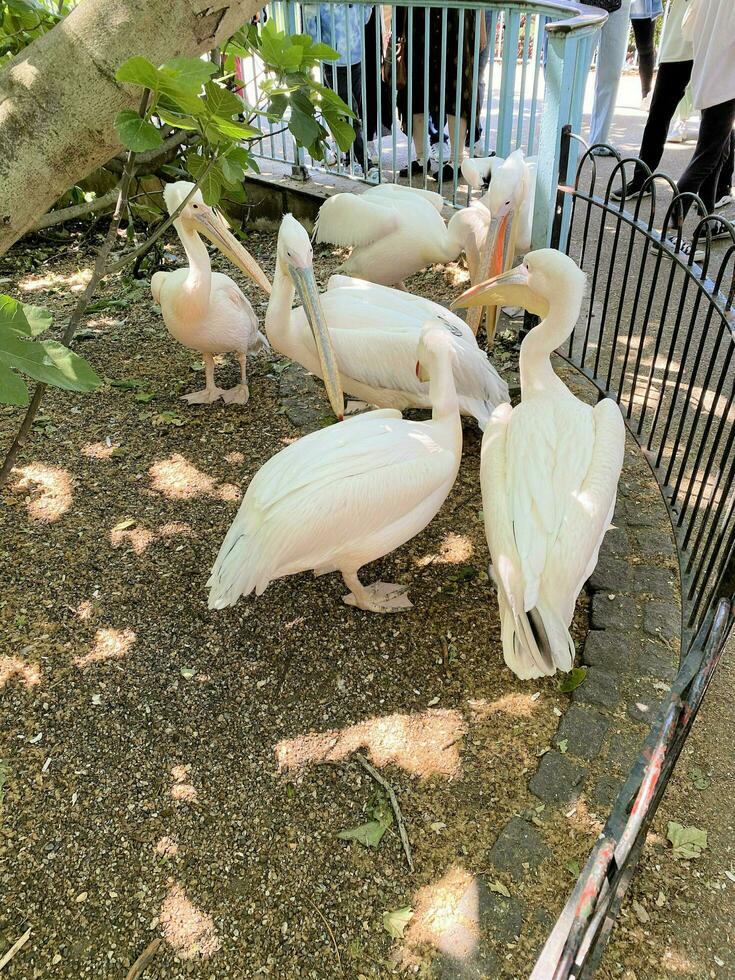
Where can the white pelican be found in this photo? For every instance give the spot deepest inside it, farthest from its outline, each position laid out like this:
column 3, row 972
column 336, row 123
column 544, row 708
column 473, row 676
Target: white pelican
column 347, row 494
column 204, row 310
column 374, row 331
column 395, row 231
column 549, row 473
column 510, row 186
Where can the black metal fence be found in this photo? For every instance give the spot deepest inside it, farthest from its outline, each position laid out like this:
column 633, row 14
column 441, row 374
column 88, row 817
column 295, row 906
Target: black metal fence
column 657, row 335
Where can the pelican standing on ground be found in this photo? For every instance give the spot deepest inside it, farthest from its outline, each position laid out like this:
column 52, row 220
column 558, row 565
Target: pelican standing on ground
column 549, row 473
column 395, row 231
column 510, row 188
column 204, row 310
column 348, row 494
column 374, row 331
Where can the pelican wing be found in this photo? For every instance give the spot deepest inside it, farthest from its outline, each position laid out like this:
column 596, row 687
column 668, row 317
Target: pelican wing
column 393, row 192
column 353, row 220
column 307, row 503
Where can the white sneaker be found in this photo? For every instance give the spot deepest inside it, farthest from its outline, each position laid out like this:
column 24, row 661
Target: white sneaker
column 679, row 132
column 646, row 103
column 724, row 200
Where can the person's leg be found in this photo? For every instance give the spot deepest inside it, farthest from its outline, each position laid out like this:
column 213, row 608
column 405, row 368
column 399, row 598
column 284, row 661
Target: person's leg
column 724, row 182
column 643, row 33
column 361, row 155
column 710, row 152
column 456, row 152
column 610, row 60
column 671, row 83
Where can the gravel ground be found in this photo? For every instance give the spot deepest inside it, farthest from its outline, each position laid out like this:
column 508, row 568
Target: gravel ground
column 162, row 763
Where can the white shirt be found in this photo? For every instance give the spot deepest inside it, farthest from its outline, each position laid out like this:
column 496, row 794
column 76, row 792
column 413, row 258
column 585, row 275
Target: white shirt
column 710, row 26
column 674, row 46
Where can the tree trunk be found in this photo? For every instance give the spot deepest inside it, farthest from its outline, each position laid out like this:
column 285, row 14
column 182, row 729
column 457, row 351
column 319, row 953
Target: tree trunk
column 59, row 97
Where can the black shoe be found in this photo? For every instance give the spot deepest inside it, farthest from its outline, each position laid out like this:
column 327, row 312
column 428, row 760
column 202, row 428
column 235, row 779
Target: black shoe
column 447, row 174
column 631, row 191
column 416, row 168
column 719, row 230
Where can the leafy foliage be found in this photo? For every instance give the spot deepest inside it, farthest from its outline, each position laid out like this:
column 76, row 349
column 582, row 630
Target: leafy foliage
column 22, row 21
column 687, row 842
column 186, row 94
column 47, row 361
column 395, row 922
column 371, row 833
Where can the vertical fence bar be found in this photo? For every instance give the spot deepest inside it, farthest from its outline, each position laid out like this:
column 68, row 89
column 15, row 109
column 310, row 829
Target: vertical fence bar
column 442, row 100
column 475, row 84
column 425, row 136
column 524, row 72
column 458, row 150
column 409, row 99
column 490, row 73
column 348, row 73
column 537, row 49
column 366, row 130
column 394, row 90
column 508, row 81
column 378, row 89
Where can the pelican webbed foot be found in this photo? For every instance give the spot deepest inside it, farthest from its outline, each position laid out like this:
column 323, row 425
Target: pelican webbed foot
column 236, row 396
column 204, row 397
column 380, row 597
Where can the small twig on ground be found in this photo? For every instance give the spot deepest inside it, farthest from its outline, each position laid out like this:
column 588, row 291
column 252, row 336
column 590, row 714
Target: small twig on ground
column 143, row 961
column 15, row 948
column 329, row 930
column 403, row 833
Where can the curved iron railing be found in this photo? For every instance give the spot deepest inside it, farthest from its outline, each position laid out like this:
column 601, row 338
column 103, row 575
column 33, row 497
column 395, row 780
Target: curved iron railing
column 657, row 335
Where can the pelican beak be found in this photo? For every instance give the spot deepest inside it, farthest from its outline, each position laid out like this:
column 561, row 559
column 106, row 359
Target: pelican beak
column 308, row 293
column 216, row 229
column 499, row 290
column 490, row 264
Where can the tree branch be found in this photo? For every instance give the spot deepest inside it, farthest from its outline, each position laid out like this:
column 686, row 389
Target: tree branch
column 81, row 305
column 104, row 203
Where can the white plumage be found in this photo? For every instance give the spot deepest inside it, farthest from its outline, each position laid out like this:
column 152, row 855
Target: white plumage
column 549, row 474
column 395, row 231
column 374, row 331
column 204, row 310
column 346, row 495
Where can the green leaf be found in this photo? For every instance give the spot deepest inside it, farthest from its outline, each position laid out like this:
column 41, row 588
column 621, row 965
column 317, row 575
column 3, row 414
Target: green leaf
column 191, row 73
column 499, row 887
column 144, row 397
column 573, row 680
column 13, row 389
column 178, row 98
column 699, row 779
column 369, row 834
column 12, row 315
column 688, row 842
column 323, row 52
column 304, row 127
column 125, row 383
column 234, row 130
column 395, row 922
column 573, row 868
column 136, row 134
column 47, row 361
column 138, row 71
column 211, row 186
column 221, row 101
column 188, row 672
column 39, row 319
column 343, row 133
column 178, row 120
column 4, row 774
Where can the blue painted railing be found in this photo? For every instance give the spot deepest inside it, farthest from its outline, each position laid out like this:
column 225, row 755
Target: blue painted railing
column 517, row 90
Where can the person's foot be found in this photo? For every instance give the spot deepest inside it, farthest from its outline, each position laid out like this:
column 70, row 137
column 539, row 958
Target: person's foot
column 447, row 174
column 719, row 231
column 603, row 151
column 414, row 170
column 724, row 200
column 631, row 191
column 646, row 102
column 679, row 132
column 682, row 248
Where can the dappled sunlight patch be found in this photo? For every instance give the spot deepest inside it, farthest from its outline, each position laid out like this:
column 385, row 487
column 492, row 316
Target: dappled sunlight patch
column 84, row 611
column 677, row 963
column 99, row 450
column 235, row 458
column 189, row 931
column 582, row 819
column 515, row 704
column 423, row 744
column 108, row 644
column 14, row 669
column 167, row 847
column 50, row 491
column 446, row 916
column 75, row 282
column 454, row 550
column 178, row 479
column 182, row 790
column 140, row 538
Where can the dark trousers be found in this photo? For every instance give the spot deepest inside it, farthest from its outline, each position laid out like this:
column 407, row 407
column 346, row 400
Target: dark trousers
column 710, row 154
column 643, row 33
column 335, row 76
column 724, row 184
column 671, row 82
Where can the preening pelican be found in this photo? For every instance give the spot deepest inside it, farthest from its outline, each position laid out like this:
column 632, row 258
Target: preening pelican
column 510, row 187
column 348, row 494
column 374, row 332
column 206, row 310
column 395, row 231
column 549, row 473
